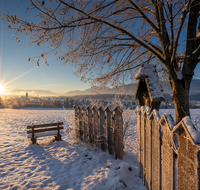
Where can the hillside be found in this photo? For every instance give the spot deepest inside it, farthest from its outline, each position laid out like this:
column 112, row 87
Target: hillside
column 130, row 89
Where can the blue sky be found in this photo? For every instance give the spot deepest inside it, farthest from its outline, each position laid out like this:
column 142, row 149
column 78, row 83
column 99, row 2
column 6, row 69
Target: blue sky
column 14, row 62
column 17, row 73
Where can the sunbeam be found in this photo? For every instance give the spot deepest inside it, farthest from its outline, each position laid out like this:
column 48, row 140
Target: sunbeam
column 2, row 89
column 22, row 75
column 1, row 49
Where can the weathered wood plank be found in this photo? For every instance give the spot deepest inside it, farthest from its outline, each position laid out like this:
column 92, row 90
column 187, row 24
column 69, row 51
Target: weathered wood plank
column 118, row 133
column 156, row 155
column 110, row 132
column 85, row 125
column 80, row 123
column 45, row 129
column 148, row 154
column 142, row 141
column 91, row 126
column 44, row 125
column 168, row 159
column 76, row 114
column 102, row 129
column 96, row 126
column 49, row 133
column 139, row 140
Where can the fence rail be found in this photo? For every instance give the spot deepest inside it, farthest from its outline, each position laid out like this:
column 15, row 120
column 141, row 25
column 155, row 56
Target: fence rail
column 168, row 154
column 102, row 127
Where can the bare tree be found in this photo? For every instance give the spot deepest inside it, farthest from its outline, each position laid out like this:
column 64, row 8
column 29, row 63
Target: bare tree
column 108, row 39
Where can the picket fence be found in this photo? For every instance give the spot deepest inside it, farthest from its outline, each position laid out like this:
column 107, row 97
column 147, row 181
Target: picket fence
column 168, row 154
column 102, row 127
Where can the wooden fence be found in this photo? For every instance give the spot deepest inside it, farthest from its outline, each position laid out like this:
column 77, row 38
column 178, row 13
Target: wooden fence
column 102, row 127
column 168, row 154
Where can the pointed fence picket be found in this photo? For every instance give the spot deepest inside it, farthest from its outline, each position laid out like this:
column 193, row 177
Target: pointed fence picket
column 102, row 127
column 168, row 154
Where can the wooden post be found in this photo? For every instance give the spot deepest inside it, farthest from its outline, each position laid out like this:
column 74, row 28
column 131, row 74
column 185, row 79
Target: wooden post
column 118, row 133
column 138, row 137
column 148, row 150
column 85, row 124
column 142, row 141
column 76, row 112
column 33, row 138
column 80, row 117
column 102, row 128
column 90, row 125
column 96, row 126
column 188, row 171
column 58, row 131
column 168, row 157
column 110, row 131
column 156, row 151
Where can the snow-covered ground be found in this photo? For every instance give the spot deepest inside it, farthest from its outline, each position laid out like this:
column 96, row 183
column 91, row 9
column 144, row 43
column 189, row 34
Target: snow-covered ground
column 60, row 165
column 66, row 164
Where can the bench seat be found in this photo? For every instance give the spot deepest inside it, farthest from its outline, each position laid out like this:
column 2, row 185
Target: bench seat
column 42, row 134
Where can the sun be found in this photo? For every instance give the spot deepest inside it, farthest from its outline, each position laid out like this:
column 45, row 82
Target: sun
column 2, row 89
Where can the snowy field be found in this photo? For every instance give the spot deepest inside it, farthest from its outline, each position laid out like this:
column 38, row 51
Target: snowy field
column 66, row 164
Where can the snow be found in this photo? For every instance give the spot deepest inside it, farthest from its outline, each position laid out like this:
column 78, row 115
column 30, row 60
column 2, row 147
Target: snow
column 194, row 133
column 179, row 74
column 149, row 72
column 169, row 120
column 65, row 164
column 156, row 115
column 148, row 111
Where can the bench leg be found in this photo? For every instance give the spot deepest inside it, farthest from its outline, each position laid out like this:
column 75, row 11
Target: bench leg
column 33, row 140
column 58, row 137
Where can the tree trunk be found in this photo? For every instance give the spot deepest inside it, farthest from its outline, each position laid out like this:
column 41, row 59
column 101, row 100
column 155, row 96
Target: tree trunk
column 181, row 90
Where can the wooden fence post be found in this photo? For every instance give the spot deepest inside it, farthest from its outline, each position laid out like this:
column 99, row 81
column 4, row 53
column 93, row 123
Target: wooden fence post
column 118, row 133
column 148, row 149
column 96, row 126
column 76, row 112
column 142, row 141
column 156, row 151
column 188, row 171
column 110, row 131
column 102, row 126
column 168, row 155
column 85, row 123
column 80, row 115
column 90, row 124
column 138, row 112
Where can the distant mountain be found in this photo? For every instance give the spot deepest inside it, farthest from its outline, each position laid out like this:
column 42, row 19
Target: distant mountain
column 22, row 92
column 130, row 89
column 194, row 87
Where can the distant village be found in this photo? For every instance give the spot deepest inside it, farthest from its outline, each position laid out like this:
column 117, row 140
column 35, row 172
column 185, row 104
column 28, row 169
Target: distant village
column 59, row 102
column 68, row 102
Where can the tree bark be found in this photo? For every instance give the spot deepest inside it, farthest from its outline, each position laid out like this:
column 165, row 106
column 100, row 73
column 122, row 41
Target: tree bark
column 181, row 90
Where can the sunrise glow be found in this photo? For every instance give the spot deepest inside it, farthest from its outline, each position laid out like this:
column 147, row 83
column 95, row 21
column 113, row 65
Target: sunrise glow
column 2, row 89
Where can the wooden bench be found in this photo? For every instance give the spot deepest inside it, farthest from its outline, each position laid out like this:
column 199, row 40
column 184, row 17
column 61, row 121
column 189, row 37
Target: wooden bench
column 34, row 131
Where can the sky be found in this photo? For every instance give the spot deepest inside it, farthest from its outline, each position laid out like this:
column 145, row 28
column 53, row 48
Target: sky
column 17, row 73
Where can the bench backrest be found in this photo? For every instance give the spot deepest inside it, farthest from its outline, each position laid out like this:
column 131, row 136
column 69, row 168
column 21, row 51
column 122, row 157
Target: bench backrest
column 48, row 127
